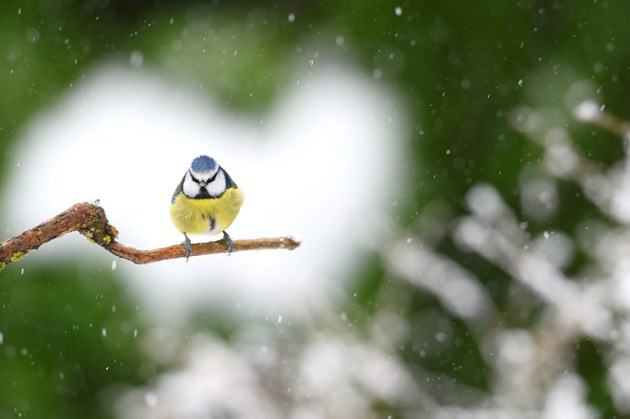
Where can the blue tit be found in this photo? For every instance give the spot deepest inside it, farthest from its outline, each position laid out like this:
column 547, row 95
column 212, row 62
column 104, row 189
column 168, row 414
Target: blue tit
column 206, row 201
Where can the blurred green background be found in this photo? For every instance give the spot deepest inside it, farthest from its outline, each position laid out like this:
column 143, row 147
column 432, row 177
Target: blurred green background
column 462, row 69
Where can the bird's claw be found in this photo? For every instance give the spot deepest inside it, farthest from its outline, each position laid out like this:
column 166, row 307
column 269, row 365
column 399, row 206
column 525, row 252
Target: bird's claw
column 227, row 240
column 188, row 247
column 229, row 244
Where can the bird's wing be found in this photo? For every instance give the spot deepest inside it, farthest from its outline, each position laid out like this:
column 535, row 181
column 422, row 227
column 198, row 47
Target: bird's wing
column 229, row 183
column 178, row 190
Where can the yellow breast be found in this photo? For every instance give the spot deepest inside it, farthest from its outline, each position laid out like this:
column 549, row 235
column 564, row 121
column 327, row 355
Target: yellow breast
column 212, row 215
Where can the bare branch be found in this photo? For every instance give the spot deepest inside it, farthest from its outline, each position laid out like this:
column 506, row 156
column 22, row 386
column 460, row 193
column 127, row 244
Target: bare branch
column 90, row 220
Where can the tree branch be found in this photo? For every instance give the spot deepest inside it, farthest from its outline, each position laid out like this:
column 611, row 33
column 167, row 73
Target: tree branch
column 90, row 220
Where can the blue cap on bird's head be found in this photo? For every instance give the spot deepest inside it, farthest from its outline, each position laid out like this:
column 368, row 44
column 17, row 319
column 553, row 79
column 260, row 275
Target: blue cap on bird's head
column 203, row 164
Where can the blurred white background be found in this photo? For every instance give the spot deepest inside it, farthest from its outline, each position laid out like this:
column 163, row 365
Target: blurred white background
column 324, row 165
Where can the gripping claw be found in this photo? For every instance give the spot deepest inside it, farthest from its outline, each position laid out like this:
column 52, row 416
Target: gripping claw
column 229, row 244
column 188, row 246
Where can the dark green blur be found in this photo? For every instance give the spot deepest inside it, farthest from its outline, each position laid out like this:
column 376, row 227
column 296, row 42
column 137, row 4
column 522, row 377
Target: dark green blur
column 462, row 68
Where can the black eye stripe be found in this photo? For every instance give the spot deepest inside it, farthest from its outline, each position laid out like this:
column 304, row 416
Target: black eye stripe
column 194, row 179
column 213, row 177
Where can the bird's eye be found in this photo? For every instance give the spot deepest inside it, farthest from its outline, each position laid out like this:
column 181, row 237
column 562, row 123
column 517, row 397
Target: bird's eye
column 194, row 179
column 213, row 177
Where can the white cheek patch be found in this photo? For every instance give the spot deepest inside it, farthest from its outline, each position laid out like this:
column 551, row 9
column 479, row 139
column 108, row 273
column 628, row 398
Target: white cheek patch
column 190, row 187
column 217, row 186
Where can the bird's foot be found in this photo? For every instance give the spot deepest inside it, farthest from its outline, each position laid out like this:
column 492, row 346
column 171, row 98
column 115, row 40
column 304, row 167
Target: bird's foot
column 229, row 244
column 188, row 247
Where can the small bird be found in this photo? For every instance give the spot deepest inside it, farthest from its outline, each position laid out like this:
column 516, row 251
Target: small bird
column 206, row 201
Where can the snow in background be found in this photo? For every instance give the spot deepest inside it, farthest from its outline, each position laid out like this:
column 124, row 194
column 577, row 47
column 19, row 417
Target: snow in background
column 323, row 165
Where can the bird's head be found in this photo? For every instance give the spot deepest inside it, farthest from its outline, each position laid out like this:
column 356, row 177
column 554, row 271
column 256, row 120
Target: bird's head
column 204, row 179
